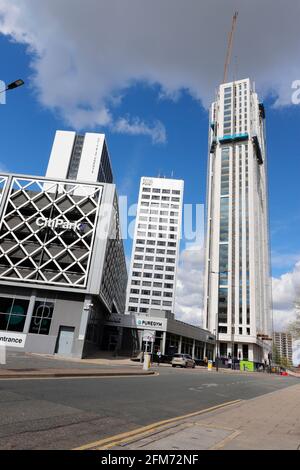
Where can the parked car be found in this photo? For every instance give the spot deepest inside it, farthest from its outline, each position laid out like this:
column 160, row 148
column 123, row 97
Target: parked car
column 183, row 360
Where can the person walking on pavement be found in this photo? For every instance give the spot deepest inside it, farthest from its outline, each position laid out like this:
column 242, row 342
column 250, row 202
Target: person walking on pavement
column 158, row 357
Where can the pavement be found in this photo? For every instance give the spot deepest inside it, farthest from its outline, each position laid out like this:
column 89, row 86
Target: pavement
column 267, row 422
column 27, row 365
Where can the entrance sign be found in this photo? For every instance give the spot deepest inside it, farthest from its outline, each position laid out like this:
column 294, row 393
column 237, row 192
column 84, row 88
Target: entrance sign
column 14, row 340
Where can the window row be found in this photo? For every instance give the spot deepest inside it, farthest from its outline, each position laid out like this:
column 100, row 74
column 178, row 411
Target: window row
column 170, row 236
column 158, row 251
column 160, row 285
column 155, row 242
column 160, row 198
column 161, row 220
column 155, row 293
column 163, row 228
column 167, row 277
column 156, row 204
column 155, row 267
column 164, row 303
column 162, row 191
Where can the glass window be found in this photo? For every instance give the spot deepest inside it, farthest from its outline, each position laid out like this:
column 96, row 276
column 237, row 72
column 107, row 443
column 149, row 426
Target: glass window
column 41, row 317
column 157, row 293
column 224, row 219
column 223, row 298
column 223, row 264
column 13, row 313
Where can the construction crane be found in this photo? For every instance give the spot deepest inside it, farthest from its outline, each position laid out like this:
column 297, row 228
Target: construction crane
column 229, row 47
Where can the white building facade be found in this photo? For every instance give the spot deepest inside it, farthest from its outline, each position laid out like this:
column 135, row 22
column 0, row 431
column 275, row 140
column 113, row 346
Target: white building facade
column 237, row 280
column 155, row 252
column 80, row 157
column 283, row 343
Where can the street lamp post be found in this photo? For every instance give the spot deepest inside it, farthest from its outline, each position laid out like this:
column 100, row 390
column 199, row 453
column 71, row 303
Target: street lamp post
column 217, row 321
column 13, row 85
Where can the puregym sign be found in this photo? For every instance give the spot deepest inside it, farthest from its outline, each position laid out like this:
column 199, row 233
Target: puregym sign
column 59, row 224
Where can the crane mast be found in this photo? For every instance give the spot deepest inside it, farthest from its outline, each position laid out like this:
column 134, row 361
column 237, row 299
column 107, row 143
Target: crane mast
column 229, row 47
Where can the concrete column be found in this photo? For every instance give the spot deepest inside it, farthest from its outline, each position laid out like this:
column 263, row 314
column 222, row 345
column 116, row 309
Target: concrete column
column 193, row 349
column 180, row 344
column 29, row 312
column 84, row 317
column 163, row 346
column 204, row 351
column 250, row 352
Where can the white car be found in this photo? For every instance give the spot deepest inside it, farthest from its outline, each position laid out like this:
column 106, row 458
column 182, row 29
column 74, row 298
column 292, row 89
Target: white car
column 183, row 360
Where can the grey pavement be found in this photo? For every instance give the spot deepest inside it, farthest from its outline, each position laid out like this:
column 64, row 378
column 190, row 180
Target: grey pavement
column 268, row 422
column 25, row 365
column 27, row 361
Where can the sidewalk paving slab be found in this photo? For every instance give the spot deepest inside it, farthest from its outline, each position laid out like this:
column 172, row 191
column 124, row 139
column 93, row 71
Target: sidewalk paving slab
column 267, row 422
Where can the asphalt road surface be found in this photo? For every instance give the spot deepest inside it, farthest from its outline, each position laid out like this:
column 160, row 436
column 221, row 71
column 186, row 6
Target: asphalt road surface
column 67, row 413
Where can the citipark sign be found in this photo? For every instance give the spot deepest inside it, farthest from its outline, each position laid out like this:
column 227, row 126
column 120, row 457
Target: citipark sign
column 59, row 224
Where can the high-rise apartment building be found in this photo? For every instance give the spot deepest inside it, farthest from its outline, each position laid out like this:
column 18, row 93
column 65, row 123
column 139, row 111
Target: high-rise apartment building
column 155, row 252
column 283, row 343
column 237, row 280
column 80, row 157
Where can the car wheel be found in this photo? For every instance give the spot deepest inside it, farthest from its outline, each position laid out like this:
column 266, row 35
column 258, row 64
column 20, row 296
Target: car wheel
column 173, row 365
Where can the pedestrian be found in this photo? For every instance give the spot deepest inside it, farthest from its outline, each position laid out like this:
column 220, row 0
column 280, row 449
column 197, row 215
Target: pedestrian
column 158, row 357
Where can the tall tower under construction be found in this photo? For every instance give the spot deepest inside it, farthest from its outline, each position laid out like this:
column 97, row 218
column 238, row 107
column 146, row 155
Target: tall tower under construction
column 237, row 279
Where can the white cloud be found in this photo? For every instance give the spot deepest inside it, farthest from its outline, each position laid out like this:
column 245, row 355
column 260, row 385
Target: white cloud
column 286, row 290
column 189, row 291
column 157, row 132
column 85, row 56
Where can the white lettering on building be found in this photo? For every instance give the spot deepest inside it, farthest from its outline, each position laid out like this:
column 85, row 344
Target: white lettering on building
column 59, row 223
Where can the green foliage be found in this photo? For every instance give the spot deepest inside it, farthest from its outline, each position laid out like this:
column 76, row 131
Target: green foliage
column 294, row 327
column 280, row 360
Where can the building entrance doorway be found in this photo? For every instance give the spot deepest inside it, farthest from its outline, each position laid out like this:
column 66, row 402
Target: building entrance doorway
column 65, row 340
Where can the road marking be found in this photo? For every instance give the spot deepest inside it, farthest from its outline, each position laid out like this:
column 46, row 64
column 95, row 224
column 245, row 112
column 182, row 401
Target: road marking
column 225, row 441
column 113, row 441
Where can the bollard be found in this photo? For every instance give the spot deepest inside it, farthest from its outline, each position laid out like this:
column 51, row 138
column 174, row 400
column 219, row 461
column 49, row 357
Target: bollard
column 2, row 355
column 146, row 365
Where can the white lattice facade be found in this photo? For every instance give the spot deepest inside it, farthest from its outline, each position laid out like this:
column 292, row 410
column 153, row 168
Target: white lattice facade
column 47, row 232
column 62, row 262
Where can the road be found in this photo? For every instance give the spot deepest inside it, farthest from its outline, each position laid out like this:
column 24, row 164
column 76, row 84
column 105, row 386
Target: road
column 66, row 413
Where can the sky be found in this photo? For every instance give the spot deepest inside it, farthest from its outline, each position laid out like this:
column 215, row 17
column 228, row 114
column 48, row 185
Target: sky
column 145, row 73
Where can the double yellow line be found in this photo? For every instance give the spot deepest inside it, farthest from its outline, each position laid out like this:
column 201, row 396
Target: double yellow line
column 118, row 439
